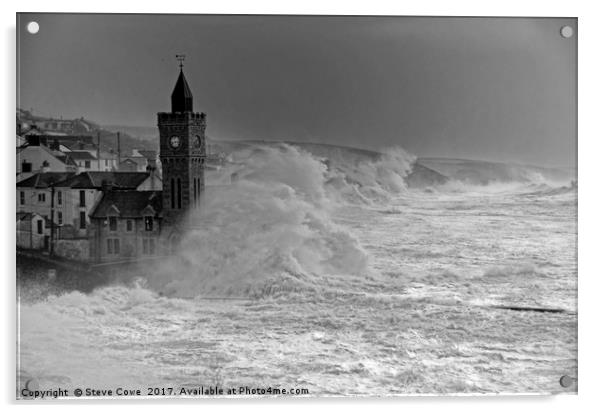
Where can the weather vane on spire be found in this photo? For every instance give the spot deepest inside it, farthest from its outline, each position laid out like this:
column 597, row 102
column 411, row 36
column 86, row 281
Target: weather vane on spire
column 180, row 58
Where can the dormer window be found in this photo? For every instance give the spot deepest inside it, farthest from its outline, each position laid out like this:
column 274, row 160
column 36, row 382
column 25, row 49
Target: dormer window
column 148, row 223
column 112, row 223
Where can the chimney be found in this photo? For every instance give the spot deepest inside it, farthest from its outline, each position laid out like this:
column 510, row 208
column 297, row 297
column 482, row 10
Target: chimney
column 106, row 186
column 151, row 168
column 33, row 140
column 45, row 167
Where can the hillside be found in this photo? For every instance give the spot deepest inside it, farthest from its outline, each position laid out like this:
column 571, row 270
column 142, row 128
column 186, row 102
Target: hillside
column 26, row 121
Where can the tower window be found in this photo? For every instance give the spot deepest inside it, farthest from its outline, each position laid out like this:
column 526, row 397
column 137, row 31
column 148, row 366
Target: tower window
column 198, row 183
column 22, row 197
column 173, row 194
column 82, row 198
column 179, row 194
column 40, row 228
column 59, row 197
column 194, row 189
column 82, row 220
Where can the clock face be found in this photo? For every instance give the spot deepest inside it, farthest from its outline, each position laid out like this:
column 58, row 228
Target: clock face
column 174, row 141
column 197, row 141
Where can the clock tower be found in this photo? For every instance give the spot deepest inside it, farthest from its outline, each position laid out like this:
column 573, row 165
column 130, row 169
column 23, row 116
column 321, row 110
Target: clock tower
column 182, row 154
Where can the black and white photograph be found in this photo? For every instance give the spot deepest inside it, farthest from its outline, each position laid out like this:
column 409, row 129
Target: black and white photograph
column 295, row 206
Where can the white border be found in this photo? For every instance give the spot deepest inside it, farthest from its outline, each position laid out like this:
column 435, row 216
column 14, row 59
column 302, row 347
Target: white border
column 590, row 185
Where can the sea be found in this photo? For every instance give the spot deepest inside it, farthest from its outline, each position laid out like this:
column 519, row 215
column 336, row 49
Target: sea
column 325, row 270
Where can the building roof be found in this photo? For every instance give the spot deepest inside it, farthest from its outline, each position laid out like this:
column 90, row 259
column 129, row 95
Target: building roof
column 66, row 160
column 56, row 154
column 26, row 216
column 148, row 154
column 108, row 155
column 129, row 204
column 181, row 97
column 81, row 155
column 44, row 179
column 138, row 160
column 94, row 179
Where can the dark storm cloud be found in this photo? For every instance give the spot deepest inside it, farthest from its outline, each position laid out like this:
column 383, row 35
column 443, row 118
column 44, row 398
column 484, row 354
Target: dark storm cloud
column 498, row 89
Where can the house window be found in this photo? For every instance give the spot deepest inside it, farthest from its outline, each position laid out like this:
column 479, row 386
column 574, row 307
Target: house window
column 26, row 166
column 106, row 162
column 40, row 227
column 129, row 225
column 41, row 197
column 60, row 217
column 112, row 223
column 148, row 246
column 112, row 245
column 59, row 197
column 87, row 164
column 148, row 223
column 82, row 220
column 22, row 197
column 82, row 198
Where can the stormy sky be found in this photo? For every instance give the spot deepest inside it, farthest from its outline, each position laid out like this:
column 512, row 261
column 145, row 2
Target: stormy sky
column 482, row 88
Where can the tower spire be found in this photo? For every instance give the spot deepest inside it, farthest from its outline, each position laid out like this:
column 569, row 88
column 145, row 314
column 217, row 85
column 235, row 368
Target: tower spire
column 181, row 97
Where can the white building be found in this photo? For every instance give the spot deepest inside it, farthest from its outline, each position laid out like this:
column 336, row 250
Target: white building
column 32, row 231
column 34, row 159
column 75, row 195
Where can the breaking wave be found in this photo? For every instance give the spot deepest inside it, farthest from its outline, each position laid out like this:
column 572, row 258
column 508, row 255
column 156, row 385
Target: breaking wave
column 482, row 176
column 272, row 228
